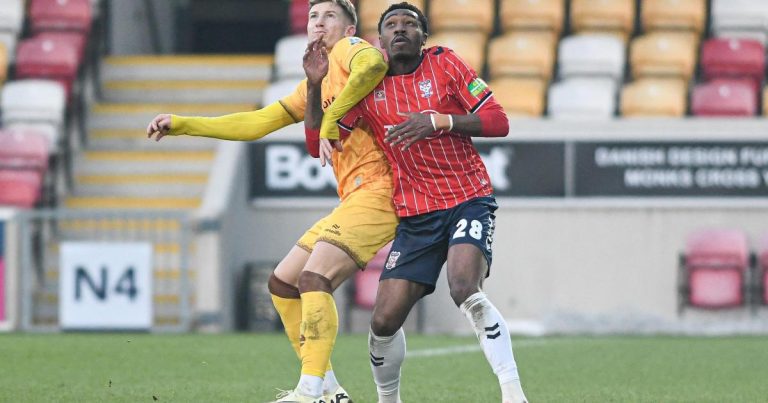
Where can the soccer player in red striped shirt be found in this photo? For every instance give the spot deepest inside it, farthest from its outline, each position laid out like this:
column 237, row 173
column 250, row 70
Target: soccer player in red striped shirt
column 423, row 115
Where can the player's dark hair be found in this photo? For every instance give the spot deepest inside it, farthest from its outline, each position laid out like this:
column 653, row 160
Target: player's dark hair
column 406, row 6
column 346, row 5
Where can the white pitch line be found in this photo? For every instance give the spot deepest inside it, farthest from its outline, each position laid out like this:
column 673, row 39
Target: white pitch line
column 471, row 348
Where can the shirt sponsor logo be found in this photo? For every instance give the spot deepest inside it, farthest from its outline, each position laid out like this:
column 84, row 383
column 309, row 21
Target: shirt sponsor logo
column 477, row 86
column 426, row 88
column 392, row 260
column 354, row 40
column 379, row 95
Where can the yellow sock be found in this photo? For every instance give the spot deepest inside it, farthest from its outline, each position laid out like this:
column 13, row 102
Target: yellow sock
column 289, row 310
column 319, row 326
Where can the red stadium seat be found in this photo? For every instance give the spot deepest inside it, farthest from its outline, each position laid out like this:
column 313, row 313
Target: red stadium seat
column 62, row 38
column 734, row 58
column 60, row 15
column 723, row 97
column 713, row 269
column 45, row 58
column 23, row 150
column 19, row 188
column 762, row 266
column 299, row 16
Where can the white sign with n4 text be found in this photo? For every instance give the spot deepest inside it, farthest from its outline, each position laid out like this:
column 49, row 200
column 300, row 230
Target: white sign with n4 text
column 105, row 285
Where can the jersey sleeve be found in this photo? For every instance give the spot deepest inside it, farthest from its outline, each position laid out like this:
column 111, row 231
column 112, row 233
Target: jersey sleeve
column 296, row 102
column 350, row 120
column 469, row 89
column 242, row 126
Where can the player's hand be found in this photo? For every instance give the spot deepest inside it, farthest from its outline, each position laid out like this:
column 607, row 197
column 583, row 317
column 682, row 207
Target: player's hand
column 417, row 126
column 326, row 150
column 315, row 61
column 159, row 126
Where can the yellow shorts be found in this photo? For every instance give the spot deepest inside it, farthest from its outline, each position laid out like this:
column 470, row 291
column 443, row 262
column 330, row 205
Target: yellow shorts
column 363, row 223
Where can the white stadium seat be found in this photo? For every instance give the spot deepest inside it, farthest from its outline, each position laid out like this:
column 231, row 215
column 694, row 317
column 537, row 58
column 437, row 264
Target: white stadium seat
column 289, row 54
column 582, row 98
column 38, row 104
column 740, row 19
column 592, row 55
column 11, row 20
column 278, row 90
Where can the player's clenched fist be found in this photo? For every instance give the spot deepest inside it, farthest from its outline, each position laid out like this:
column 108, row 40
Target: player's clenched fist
column 159, row 126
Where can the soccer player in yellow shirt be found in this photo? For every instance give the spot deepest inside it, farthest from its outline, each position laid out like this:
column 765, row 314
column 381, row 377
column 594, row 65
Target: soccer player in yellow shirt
column 343, row 242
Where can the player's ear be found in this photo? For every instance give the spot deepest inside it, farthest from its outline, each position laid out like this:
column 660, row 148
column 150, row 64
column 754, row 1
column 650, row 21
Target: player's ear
column 424, row 39
column 350, row 31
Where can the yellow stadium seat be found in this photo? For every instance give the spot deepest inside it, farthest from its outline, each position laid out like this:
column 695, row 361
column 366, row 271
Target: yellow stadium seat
column 664, row 54
column 522, row 97
column 654, row 97
column 470, row 46
column 532, row 14
column 3, row 63
column 461, row 15
column 369, row 12
column 603, row 15
column 673, row 14
column 522, row 53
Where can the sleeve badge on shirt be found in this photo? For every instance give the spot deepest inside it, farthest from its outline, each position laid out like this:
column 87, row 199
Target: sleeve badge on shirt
column 426, row 88
column 379, row 95
column 477, row 86
column 353, row 40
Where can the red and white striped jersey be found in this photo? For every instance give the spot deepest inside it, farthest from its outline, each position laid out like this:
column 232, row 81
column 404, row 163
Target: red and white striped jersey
column 444, row 169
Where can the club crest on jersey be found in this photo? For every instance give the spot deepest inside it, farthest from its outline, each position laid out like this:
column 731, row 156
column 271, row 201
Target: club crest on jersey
column 426, row 88
column 379, row 96
column 477, row 86
column 353, row 40
column 392, row 260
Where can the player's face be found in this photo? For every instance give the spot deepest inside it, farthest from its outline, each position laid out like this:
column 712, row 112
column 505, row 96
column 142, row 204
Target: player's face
column 402, row 35
column 329, row 21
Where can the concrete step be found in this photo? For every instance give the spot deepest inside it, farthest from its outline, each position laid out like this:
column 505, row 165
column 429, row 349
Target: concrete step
column 165, row 91
column 143, row 162
column 136, row 139
column 154, row 186
column 187, row 67
column 138, row 116
column 144, row 203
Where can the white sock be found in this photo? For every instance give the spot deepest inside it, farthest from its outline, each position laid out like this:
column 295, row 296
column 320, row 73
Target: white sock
column 387, row 355
column 330, row 384
column 493, row 334
column 310, row 385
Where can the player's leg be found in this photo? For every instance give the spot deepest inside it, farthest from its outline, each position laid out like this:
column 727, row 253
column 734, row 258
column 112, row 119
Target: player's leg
column 469, row 258
column 283, row 286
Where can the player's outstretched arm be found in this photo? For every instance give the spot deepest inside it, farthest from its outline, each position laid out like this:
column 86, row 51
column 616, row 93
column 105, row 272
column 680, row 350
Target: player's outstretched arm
column 242, row 126
column 367, row 69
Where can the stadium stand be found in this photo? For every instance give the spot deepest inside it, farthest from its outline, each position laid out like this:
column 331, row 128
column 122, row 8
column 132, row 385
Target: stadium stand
column 39, row 104
column 522, row 53
column 761, row 277
column 469, row 45
column 532, row 15
column 299, row 17
column 592, row 55
column 616, row 16
column 582, row 98
column 48, row 59
column 289, row 53
column 724, row 97
column 279, row 89
column 19, row 188
column 654, row 97
column 740, row 19
column 60, row 15
column 461, row 15
column 11, row 22
column 664, row 54
column 369, row 12
column 64, row 38
column 734, row 58
column 520, row 96
column 688, row 15
column 713, row 269
column 25, row 150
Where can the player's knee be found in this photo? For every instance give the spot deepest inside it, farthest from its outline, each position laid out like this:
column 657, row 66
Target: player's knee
column 310, row 281
column 460, row 291
column 385, row 325
column 280, row 288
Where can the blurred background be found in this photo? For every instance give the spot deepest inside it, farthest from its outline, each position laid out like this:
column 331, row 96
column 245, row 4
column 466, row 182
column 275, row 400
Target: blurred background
column 633, row 186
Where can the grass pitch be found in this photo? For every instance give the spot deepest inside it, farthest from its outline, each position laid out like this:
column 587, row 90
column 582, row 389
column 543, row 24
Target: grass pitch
column 248, row 367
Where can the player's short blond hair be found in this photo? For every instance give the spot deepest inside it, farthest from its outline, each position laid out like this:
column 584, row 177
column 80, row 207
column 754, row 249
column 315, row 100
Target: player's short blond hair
column 346, row 5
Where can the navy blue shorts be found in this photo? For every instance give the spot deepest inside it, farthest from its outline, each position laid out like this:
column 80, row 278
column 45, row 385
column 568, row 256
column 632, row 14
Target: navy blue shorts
column 421, row 243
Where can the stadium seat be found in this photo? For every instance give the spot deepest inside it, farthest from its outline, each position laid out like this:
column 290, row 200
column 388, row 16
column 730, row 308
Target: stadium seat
column 4, row 63
column 289, row 53
column 522, row 53
column 592, row 55
column 520, row 97
column 299, row 16
column 60, row 15
column 603, row 15
column 582, row 98
column 64, row 38
column 740, row 19
column 762, row 271
column 278, row 90
column 734, row 58
column 765, row 101
column 48, row 59
column 36, row 104
column 470, row 46
column 724, row 97
column 369, row 13
column 654, row 97
column 19, row 188
column 532, row 15
column 663, row 54
column 712, row 269
column 461, row 15
column 23, row 150
column 673, row 15
column 11, row 22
